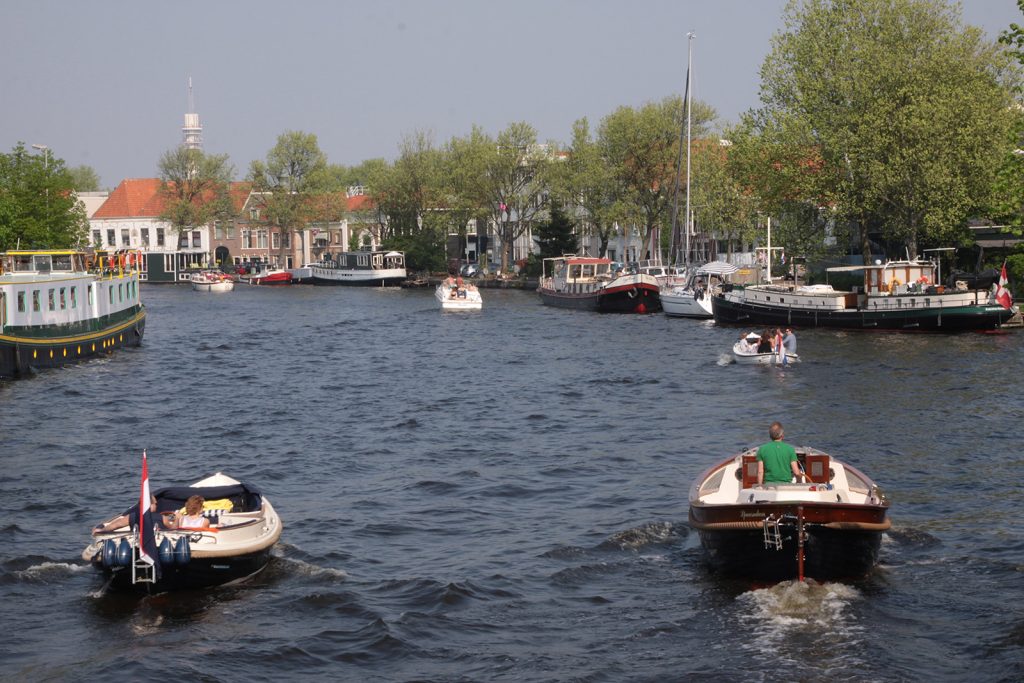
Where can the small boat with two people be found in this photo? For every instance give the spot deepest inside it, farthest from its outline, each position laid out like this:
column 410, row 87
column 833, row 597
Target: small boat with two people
column 366, row 268
column 234, row 542
column 827, row 527
column 897, row 295
column 212, row 281
column 764, row 349
column 587, row 283
column 453, row 294
column 693, row 299
column 61, row 306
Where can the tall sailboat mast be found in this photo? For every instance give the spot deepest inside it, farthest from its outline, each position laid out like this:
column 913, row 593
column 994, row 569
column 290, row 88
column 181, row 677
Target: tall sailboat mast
column 684, row 132
column 689, row 87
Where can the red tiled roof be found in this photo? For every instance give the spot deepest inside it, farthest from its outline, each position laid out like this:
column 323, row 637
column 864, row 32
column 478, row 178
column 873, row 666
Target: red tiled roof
column 360, row 202
column 141, row 198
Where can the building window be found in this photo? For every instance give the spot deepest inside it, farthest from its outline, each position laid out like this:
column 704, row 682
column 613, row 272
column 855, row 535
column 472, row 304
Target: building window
column 254, row 214
column 197, row 238
column 21, row 302
column 246, row 238
column 111, row 240
column 261, row 239
column 230, row 230
column 126, row 239
column 145, row 237
column 287, row 240
column 275, row 239
column 218, row 231
column 97, row 238
column 182, row 239
column 159, row 237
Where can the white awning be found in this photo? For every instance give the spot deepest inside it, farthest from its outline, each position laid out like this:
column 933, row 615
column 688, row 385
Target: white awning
column 718, row 268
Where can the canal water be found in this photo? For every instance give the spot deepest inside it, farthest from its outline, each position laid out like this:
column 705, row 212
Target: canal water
column 502, row 496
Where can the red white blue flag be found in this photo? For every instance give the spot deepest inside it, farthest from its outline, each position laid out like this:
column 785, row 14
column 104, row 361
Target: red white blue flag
column 147, row 539
column 1002, row 293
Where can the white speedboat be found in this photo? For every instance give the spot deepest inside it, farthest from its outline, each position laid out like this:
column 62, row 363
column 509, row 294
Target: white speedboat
column 745, row 351
column 243, row 528
column 212, row 281
column 455, row 295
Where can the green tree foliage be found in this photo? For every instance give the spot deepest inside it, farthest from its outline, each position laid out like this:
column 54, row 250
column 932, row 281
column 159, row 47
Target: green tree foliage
column 889, row 112
column 84, row 178
column 642, row 149
column 291, row 187
column 38, row 207
column 195, row 187
column 557, row 235
column 583, row 183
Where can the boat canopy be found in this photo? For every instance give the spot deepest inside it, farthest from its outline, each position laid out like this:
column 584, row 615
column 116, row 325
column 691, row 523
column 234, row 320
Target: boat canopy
column 244, row 497
column 718, row 268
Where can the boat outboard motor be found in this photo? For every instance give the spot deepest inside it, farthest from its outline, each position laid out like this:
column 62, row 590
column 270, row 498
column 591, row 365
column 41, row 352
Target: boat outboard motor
column 182, row 552
column 109, row 553
column 124, row 553
column 166, row 552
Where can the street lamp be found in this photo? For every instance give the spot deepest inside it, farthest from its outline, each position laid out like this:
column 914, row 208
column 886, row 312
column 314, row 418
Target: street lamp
column 46, row 154
column 46, row 169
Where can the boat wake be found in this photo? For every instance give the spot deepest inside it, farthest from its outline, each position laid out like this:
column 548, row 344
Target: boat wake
column 725, row 359
column 654, row 533
column 794, row 612
column 42, row 573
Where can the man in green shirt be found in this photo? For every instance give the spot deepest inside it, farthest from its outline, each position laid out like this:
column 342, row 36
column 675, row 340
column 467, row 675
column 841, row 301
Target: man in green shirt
column 776, row 461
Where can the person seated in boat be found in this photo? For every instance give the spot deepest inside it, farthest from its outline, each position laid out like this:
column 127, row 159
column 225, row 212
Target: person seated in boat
column 129, row 519
column 765, row 345
column 789, row 341
column 750, row 342
column 192, row 517
column 776, row 460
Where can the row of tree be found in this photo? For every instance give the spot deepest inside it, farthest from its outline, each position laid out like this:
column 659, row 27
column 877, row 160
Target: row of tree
column 888, row 122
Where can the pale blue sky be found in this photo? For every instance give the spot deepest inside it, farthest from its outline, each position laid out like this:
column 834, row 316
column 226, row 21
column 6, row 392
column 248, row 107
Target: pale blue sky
column 104, row 83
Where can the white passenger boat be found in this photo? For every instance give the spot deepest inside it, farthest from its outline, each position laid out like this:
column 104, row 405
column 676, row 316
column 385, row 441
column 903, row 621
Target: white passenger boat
column 360, row 268
column 455, row 295
column 243, row 528
column 62, row 306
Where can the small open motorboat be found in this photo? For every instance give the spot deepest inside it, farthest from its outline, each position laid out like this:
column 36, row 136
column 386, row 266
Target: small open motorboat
column 212, row 281
column 243, row 528
column 455, row 295
column 828, row 528
column 745, row 351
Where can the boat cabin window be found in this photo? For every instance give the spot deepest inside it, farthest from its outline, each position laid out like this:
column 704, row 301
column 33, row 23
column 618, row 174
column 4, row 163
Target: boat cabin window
column 22, row 264
column 575, row 271
column 74, row 297
column 50, row 299
column 41, row 263
column 63, row 298
column 21, row 302
column 35, row 300
column 88, row 291
column 602, row 268
column 62, row 262
column 110, row 291
column 588, row 270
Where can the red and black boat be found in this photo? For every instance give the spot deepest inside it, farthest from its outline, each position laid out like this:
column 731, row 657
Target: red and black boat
column 828, row 527
column 588, row 284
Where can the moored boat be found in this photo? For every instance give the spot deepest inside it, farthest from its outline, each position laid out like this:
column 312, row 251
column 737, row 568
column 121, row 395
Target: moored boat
column 693, row 300
column 587, row 283
column 212, row 281
column 271, row 277
column 360, row 268
column 243, row 528
column 897, row 295
column 455, row 295
column 62, row 306
column 827, row 528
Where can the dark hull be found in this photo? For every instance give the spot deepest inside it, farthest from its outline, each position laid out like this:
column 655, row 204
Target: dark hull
column 369, row 282
column 829, row 554
column 637, row 299
column 198, row 573
column 62, row 345
column 959, row 319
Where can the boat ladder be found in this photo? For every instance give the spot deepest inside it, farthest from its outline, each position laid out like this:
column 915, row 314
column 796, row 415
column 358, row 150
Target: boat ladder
column 772, row 532
column 142, row 571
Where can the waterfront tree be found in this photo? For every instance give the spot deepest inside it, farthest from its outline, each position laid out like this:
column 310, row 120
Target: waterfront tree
column 195, row 187
column 464, row 186
column 84, row 178
column 642, row 147
column 891, row 113
column 291, row 187
column 38, row 207
column 583, row 182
